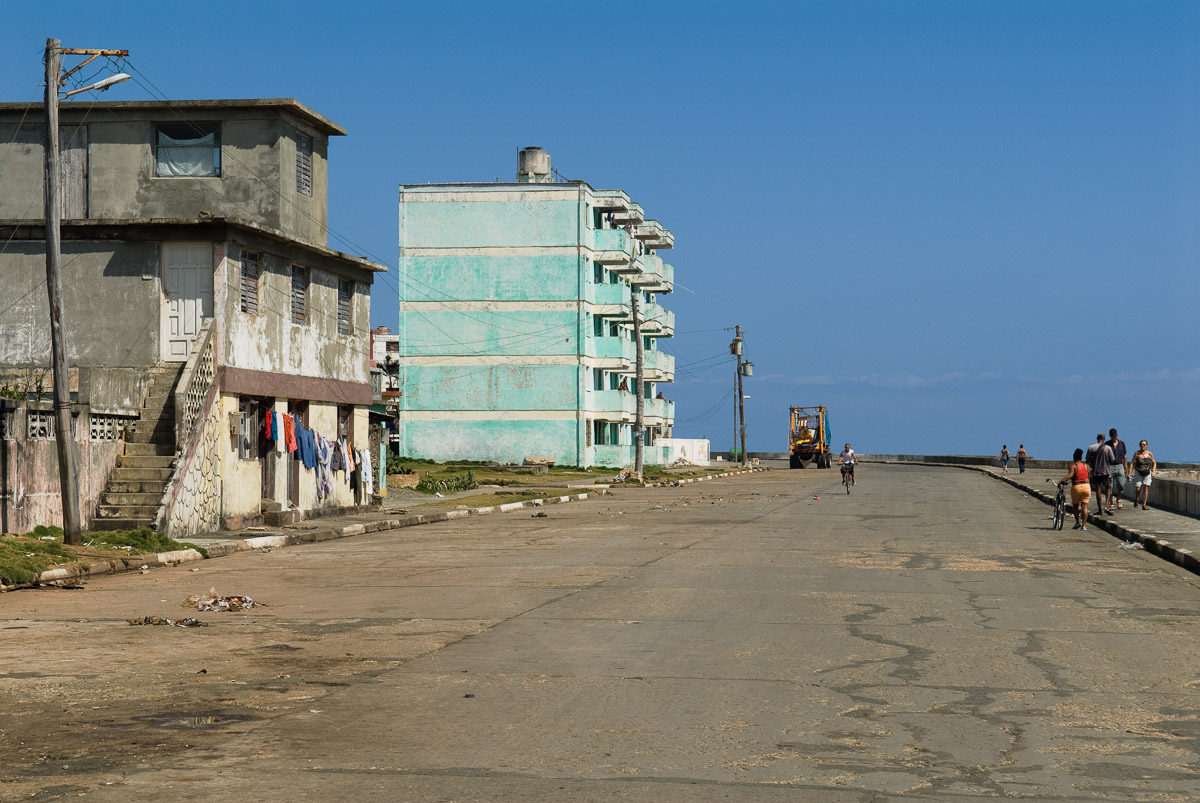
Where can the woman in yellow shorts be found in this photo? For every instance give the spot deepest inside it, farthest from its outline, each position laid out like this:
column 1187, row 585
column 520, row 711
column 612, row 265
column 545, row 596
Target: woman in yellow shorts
column 1081, row 491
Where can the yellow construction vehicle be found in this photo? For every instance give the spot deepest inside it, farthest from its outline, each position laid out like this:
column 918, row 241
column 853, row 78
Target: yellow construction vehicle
column 808, row 438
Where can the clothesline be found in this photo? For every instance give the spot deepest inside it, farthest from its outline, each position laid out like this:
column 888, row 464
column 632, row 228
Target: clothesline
column 317, row 453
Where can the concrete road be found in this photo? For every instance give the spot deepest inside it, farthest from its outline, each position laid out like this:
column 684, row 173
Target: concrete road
column 925, row 638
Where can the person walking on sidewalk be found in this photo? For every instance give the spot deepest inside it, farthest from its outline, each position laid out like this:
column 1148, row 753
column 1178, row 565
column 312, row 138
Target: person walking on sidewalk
column 1077, row 475
column 1004, row 458
column 1118, row 472
column 1099, row 461
column 1021, row 455
column 1144, row 468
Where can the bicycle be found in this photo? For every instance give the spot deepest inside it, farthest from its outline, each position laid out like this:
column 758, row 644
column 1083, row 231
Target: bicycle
column 1060, row 507
column 848, row 477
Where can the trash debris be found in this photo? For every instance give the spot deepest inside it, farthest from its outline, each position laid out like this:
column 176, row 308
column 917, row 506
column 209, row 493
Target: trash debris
column 817, row 497
column 541, row 514
column 1131, row 545
column 439, row 495
column 213, row 602
column 160, row 620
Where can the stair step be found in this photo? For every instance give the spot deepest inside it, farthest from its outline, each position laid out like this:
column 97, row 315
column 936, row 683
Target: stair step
column 145, row 461
column 160, row 449
column 136, row 487
column 125, row 499
column 122, row 524
column 131, row 474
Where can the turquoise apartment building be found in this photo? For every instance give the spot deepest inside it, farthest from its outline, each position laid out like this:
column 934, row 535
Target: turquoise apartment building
column 516, row 321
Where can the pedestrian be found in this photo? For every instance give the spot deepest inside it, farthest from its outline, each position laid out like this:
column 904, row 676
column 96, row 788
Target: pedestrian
column 1099, row 462
column 1004, row 458
column 1144, row 469
column 1118, row 472
column 1021, row 455
column 1077, row 475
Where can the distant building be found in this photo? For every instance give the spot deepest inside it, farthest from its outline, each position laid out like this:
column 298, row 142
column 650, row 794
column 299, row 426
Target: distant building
column 200, row 296
column 516, row 328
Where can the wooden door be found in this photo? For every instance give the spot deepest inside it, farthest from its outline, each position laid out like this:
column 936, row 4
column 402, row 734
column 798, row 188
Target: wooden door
column 187, row 296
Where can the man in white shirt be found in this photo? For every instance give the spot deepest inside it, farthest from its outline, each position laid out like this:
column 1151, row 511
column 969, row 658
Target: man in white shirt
column 847, row 460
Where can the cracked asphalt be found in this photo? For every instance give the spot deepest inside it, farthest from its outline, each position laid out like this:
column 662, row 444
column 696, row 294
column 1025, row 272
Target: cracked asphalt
column 927, row 637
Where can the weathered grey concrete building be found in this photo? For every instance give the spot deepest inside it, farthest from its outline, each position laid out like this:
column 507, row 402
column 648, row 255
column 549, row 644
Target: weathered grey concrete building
column 200, row 300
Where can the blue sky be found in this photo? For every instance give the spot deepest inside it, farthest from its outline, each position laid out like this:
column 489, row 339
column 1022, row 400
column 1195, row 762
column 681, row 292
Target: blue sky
column 956, row 224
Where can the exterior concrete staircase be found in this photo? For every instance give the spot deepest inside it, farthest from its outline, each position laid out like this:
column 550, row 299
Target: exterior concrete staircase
column 135, row 488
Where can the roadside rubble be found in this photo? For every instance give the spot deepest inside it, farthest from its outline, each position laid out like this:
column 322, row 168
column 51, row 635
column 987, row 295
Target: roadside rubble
column 160, row 620
column 213, row 602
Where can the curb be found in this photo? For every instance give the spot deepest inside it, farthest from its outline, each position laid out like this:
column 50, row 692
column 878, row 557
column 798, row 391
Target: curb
column 1159, row 547
column 119, row 565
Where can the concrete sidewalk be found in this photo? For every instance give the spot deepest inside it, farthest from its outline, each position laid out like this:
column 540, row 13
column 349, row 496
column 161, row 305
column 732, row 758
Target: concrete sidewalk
column 1171, row 536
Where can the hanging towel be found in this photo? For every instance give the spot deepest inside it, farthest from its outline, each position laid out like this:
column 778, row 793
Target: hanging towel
column 364, row 460
column 289, row 432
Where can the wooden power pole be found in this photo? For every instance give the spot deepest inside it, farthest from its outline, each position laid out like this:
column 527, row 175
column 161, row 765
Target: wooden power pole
column 63, row 436
column 68, row 478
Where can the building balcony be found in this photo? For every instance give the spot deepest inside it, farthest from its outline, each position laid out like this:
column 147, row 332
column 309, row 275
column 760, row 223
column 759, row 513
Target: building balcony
column 658, row 321
column 667, row 284
column 628, row 217
column 652, row 272
column 609, row 301
column 654, row 235
column 610, row 200
column 659, row 413
column 658, row 366
column 612, row 353
column 610, row 405
column 612, row 247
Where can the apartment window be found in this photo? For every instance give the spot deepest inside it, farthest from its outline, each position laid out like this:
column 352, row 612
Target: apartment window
column 304, row 151
column 187, row 149
column 251, row 268
column 597, row 326
column 345, row 297
column 299, row 294
column 252, row 414
column 597, row 379
column 345, row 416
column 597, row 273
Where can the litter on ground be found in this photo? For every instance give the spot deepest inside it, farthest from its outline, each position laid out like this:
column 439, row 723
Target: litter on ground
column 213, row 602
column 159, row 620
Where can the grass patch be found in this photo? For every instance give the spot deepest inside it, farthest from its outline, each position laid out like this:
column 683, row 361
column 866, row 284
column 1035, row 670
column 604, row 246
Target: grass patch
column 24, row 557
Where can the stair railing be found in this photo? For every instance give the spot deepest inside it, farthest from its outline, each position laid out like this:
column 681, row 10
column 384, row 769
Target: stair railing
column 194, row 384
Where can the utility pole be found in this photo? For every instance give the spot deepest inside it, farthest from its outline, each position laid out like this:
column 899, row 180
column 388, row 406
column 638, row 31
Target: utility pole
column 64, row 438
column 744, row 368
column 639, row 421
column 736, row 349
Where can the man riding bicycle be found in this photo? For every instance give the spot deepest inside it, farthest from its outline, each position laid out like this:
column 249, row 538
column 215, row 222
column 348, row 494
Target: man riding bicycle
column 847, row 460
